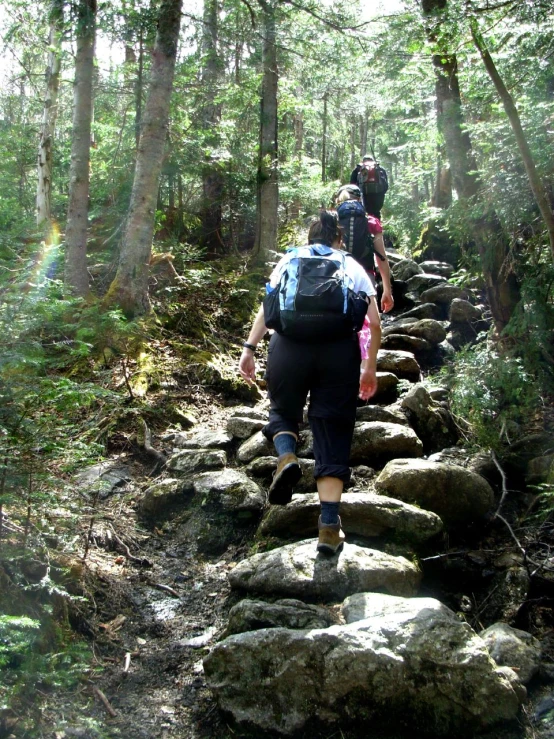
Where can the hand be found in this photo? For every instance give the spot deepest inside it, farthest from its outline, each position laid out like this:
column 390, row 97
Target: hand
column 247, row 366
column 387, row 302
column 368, row 383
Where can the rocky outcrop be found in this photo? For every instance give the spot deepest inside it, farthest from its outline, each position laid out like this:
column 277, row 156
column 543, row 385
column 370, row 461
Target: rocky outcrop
column 410, row 662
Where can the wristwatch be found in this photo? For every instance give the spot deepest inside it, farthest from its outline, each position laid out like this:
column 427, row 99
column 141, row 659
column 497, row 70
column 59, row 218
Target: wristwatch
column 252, row 348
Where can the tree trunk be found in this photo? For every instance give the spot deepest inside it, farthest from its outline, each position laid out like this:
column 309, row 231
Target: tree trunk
column 513, row 116
column 492, row 243
column 324, row 139
column 129, row 288
column 212, row 174
column 46, row 140
column 138, row 88
column 267, row 176
column 76, row 275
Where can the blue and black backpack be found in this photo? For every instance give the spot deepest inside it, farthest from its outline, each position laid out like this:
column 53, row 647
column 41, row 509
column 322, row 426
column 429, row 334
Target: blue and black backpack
column 355, row 234
column 313, row 300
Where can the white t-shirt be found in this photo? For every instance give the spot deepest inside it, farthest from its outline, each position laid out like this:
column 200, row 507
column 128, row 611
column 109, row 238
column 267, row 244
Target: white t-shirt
column 356, row 275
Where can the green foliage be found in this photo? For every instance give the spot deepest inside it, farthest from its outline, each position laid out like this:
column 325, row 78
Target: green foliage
column 34, row 656
column 490, row 392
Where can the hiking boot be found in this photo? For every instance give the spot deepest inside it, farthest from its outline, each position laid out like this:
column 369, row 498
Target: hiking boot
column 286, row 476
column 331, row 537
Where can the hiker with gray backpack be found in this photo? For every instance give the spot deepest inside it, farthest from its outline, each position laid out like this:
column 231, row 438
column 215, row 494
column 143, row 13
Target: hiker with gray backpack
column 373, row 181
column 363, row 238
column 317, row 299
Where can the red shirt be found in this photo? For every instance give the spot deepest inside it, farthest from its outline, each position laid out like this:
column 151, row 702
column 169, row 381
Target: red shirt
column 374, row 225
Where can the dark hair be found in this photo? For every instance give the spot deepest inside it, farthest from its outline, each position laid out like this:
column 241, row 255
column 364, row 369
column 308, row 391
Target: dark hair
column 325, row 229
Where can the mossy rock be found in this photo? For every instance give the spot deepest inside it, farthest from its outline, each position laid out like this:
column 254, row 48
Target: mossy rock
column 434, row 244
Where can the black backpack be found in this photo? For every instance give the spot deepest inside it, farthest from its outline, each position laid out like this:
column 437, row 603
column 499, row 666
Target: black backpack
column 357, row 239
column 372, row 178
column 312, row 301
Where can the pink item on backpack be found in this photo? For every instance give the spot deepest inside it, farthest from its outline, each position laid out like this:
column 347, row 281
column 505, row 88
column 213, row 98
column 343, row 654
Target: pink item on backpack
column 364, row 337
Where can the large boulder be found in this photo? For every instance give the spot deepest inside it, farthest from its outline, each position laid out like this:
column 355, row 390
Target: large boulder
column 433, row 267
column 203, row 439
column 454, row 493
column 362, row 514
column 422, row 282
column 243, row 427
column 405, row 342
column 409, row 662
column 515, row 648
column 229, row 489
column 403, row 364
column 405, row 268
column 299, row 571
column 425, row 310
column 379, row 441
column 432, row 423
column 255, row 446
column 188, row 461
column 444, row 293
column 288, row 613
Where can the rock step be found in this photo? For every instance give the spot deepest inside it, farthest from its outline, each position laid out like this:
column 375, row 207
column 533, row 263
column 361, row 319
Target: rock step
column 362, row 514
column 299, row 571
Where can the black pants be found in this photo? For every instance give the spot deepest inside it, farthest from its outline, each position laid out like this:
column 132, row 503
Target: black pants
column 330, row 373
column 373, row 204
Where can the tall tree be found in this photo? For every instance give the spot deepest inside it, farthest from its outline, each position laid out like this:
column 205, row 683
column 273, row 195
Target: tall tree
column 492, row 244
column 50, row 113
column 76, row 275
column 129, row 289
column 515, row 121
column 267, row 176
column 212, row 174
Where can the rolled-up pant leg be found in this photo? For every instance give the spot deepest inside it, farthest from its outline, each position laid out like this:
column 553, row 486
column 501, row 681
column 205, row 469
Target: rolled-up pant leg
column 289, row 371
column 333, row 401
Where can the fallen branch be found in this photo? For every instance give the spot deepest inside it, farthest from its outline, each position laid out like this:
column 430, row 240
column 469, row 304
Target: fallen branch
column 144, row 440
column 107, row 705
column 139, row 560
column 165, row 588
column 504, row 486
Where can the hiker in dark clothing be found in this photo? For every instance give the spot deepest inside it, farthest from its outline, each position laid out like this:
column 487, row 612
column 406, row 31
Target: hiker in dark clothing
column 372, row 180
column 330, row 370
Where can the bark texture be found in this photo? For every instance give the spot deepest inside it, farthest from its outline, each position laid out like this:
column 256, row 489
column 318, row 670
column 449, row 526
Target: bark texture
column 515, row 122
column 129, row 288
column 212, row 173
column 492, row 244
column 50, row 113
column 268, row 184
column 76, row 275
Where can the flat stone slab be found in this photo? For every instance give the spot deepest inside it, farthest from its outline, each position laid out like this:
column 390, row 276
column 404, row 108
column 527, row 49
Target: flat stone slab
column 299, row 571
column 363, row 514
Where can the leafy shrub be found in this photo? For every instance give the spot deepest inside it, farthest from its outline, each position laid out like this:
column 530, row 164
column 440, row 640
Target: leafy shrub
column 491, row 392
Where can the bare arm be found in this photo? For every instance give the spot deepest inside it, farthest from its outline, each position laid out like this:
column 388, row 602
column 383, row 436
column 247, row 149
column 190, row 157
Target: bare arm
column 247, row 365
column 368, row 374
column 387, row 301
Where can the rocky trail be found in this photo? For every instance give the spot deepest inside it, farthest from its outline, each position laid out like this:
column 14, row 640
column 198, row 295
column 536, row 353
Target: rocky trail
column 211, row 615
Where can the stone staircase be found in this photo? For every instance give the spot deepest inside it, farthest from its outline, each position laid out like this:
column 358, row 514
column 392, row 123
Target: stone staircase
column 345, row 640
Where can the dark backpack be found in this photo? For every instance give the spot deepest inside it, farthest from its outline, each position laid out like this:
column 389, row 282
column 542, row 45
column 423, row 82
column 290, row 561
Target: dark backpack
column 312, row 301
column 357, row 239
column 372, row 178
